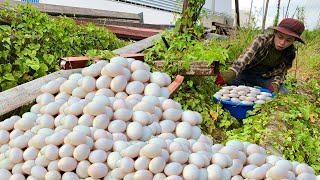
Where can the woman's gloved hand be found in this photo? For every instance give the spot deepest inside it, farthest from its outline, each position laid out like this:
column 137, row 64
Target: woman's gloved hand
column 219, row 80
column 225, row 76
column 274, row 87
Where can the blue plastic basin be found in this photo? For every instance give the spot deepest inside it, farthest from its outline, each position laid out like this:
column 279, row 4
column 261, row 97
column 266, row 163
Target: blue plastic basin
column 238, row 110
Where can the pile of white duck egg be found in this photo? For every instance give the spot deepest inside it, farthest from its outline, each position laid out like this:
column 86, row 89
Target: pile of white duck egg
column 243, row 95
column 115, row 121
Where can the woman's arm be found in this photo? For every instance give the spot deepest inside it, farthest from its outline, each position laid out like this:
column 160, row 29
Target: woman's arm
column 249, row 54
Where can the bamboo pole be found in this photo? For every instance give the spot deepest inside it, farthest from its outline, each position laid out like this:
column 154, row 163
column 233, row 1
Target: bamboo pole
column 276, row 20
column 286, row 16
column 250, row 13
column 263, row 5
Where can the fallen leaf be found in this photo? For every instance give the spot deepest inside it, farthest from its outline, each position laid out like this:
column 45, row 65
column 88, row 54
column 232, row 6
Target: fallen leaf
column 312, row 117
column 285, row 99
column 214, row 115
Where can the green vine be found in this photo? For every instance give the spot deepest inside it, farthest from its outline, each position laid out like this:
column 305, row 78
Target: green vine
column 186, row 42
column 183, row 47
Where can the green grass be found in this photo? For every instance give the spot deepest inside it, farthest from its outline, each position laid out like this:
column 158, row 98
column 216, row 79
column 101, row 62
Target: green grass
column 307, row 62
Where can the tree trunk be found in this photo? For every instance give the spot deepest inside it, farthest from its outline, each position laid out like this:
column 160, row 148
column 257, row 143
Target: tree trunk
column 191, row 11
column 183, row 27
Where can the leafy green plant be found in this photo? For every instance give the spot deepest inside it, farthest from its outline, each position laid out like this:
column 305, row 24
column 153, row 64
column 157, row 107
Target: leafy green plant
column 185, row 48
column 197, row 94
column 288, row 123
column 103, row 54
column 185, row 42
column 239, row 42
column 32, row 42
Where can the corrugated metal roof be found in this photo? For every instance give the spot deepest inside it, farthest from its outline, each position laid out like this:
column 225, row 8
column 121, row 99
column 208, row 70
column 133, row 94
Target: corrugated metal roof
column 31, row 1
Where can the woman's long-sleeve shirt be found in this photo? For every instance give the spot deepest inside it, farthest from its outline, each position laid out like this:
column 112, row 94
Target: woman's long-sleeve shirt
column 262, row 57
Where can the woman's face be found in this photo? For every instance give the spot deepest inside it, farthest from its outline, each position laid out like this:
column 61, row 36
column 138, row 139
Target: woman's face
column 282, row 41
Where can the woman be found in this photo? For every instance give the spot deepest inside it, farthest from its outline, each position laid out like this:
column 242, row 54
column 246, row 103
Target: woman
column 266, row 61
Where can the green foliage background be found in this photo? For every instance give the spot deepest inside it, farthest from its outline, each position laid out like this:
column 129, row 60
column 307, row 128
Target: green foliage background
column 31, row 43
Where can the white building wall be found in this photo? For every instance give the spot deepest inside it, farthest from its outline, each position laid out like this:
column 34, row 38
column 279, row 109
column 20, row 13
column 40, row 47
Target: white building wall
column 150, row 15
column 223, row 6
column 244, row 18
column 219, row 6
column 209, row 5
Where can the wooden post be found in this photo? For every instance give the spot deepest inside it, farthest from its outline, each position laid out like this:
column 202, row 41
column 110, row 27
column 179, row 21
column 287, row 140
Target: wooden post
column 264, row 17
column 237, row 13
